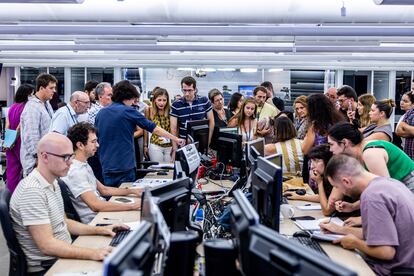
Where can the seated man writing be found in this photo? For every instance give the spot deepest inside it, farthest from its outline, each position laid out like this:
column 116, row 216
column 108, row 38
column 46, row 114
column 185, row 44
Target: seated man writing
column 387, row 212
column 85, row 189
column 37, row 213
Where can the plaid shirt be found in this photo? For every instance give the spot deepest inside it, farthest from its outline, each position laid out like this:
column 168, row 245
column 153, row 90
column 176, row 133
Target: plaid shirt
column 409, row 142
column 34, row 124
column 93, row 111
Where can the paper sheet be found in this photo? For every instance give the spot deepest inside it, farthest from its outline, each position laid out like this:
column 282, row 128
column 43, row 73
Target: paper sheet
column 148, row 182
column 133, row 225
column 313, row 225
column 82, row 273
column 326, row 237
column 162, row 166
column 309, row 207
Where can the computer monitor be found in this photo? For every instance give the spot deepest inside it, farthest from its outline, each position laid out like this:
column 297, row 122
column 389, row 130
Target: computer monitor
column 189, row 159
column 267, row 192
column 270, row 253
column 242, row 216
column 276, row 159
column 229, row 149
column 198, row 131
column 217, row 131
column 135, row 252
column 173, row 199
column 259, row 145
column 234, row 130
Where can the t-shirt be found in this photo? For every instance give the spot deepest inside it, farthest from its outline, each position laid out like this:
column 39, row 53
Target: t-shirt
column 37, row 202
column 80, row 179
column 116, row 124
column 292, row 155
column 387, row 211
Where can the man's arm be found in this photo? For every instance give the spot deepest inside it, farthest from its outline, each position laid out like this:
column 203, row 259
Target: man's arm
column 97, row 205
column 174, row 130
column 331, row 227
column 211, row 124
column 58, row 123
column 30, row 136
column 49, row 245
column 111, row 191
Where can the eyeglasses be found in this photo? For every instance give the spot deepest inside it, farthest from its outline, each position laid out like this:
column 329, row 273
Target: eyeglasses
column 65, row 157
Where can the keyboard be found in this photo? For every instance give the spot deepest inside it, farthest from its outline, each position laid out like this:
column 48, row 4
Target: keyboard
column 310, row 243
column 119, row 236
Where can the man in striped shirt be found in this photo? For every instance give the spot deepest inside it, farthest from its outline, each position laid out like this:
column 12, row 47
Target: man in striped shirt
column 188, row 108
column 37, row 212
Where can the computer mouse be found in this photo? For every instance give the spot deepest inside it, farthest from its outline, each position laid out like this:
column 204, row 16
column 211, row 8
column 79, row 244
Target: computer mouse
column 300, row 191
column 301, row 234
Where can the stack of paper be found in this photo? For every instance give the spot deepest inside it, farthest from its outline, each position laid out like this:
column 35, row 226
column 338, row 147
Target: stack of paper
column 148, row 182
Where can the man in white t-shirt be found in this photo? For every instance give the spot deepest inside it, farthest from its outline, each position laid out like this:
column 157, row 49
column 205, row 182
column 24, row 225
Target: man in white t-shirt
column 86, row 190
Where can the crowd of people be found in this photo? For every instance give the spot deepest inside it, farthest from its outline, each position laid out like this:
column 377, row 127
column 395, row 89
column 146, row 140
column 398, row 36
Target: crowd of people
column 342, row 145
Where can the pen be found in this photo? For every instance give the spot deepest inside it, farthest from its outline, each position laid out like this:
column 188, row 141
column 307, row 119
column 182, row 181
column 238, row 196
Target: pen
column 110, row 219
column 308, row 204
column 332, row 215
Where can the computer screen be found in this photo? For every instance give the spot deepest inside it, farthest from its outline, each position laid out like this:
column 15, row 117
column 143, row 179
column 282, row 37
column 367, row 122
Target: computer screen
column 259, row 145
column 229, row 149
column 269, row 253
column 189, row 159
column 173, row 199
column 247, row 90
column 198, row 131
column 267, row 192
column 135, row 252
column 242, row 216
column 234, row 130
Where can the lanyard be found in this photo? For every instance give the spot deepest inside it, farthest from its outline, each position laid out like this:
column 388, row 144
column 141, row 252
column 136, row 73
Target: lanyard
column 74, row 119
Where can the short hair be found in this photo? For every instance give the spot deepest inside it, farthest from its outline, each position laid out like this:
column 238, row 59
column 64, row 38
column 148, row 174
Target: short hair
column 189, row 81
column 321, row 152
column 341, row 165
column 80, row 133
column 348, row 92
column 267, row 84
column 259, row 88
column 23, row 93
column 76, row 95
column 100, row 88
column 124, row 90
column 345, row 130
column 214, row 92
column 284, row 129
column 90, row 85
column 387, row 106
column 43, row 80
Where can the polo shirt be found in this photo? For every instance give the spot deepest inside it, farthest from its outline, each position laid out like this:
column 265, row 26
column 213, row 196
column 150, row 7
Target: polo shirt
column 116, row 124
column 267, row 111
column 184, row 112
column 63, row 119
column 35, row 202
column 80, row 179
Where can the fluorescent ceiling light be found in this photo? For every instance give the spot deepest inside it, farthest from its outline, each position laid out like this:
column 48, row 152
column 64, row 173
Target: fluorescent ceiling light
column 225, row 44
column 393, row 44
column 44, row 1
column 37, row 42
column 185, row 69
column 208, row 69
column 248, row 70
column 226, row 69
column 276, row 70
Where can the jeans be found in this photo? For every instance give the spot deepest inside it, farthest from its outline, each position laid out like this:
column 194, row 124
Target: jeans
column 114, row 179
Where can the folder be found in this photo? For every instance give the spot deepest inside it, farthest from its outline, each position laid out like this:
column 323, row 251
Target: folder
column 10, row 137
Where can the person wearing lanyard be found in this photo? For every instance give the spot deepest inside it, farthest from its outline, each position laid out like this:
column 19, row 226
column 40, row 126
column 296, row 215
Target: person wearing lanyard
column 67, row 115
column 35, row 120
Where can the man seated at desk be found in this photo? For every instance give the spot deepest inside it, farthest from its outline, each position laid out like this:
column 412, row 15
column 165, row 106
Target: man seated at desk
column 36, row 209
column 85, row 189
column 387, row 211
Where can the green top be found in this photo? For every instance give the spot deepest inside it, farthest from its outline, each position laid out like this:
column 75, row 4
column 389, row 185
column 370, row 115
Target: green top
column 399, row 163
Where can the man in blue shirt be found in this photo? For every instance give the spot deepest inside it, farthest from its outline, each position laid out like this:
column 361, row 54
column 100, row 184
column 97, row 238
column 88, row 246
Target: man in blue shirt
column 116, row 124
column 188, row 108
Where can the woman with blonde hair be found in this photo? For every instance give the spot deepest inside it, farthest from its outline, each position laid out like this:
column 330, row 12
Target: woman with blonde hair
column 364, row 107
column 157, row 148
column 301, row 116
column 245, row 120
column 380, row 127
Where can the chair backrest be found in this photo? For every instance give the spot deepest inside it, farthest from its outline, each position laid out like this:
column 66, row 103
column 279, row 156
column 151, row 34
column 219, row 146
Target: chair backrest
column 67, row 202
column 18, row 265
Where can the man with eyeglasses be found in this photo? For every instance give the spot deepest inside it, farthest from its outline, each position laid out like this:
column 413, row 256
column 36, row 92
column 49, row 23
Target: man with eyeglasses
column 188, row 108
column 37, row 211
column 348, row 101
column 35, row 120
column 67, row 115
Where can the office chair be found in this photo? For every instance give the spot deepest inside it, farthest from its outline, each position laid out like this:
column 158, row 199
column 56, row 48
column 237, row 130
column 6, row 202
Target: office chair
column 67, row 202
column 17, row 265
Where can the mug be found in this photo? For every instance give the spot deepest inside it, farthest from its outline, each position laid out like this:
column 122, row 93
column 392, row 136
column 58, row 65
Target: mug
column 287, row 210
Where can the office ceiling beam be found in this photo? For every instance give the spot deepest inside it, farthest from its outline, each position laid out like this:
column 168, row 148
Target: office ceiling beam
column 208, row 30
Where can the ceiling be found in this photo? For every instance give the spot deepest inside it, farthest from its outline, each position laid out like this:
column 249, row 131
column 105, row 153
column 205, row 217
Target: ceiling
column 330, row 34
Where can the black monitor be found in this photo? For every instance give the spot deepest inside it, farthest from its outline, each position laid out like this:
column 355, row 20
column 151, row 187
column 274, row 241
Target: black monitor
column 229, row 149
column 242, row 216
column 251, row 156
column 267, row 192
column 135, row 252
column 198, row 131
column 189, row 160
column 270, row 253
column 276, row 159
column 173, row 199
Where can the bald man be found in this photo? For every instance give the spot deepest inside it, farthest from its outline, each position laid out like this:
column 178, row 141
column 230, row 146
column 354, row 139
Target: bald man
column 331, row 93
column 67, row 115
column 37, row 212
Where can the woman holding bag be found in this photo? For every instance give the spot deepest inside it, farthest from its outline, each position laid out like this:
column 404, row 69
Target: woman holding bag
column 14, row 166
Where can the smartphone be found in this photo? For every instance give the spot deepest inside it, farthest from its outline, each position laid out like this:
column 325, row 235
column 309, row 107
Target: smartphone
column 103, row 224
column 350, row 107
column 303, row 218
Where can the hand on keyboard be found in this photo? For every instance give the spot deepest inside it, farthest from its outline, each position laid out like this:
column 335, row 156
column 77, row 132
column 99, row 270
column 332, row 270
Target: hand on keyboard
column 100, row 253
column 110, row 230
